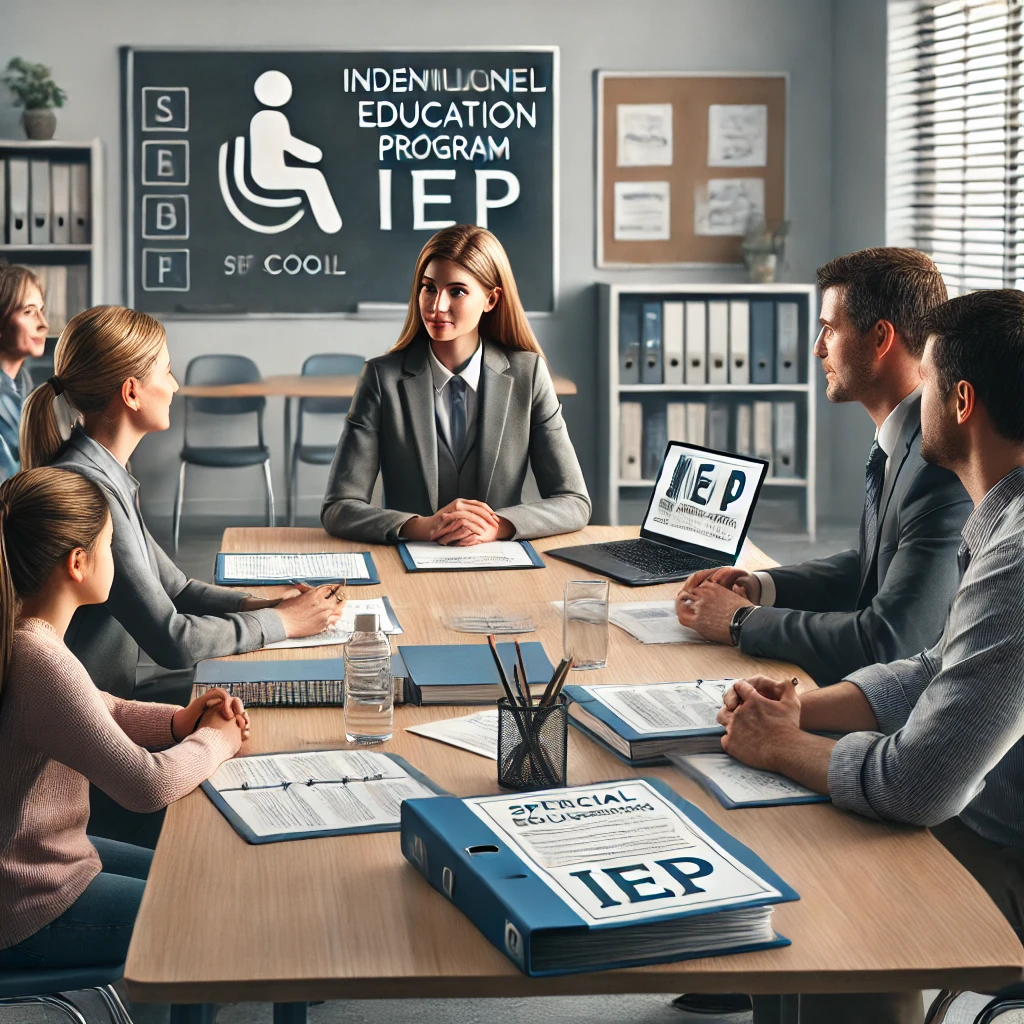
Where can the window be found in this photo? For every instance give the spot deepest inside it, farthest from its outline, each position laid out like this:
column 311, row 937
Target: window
column 954, row 148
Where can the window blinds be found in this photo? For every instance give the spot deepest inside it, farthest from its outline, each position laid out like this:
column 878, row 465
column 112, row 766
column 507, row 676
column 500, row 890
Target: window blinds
column 954, row 165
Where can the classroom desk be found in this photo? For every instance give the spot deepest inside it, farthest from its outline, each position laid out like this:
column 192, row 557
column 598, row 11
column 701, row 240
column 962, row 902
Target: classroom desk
column 882, row 908
column 297, row 385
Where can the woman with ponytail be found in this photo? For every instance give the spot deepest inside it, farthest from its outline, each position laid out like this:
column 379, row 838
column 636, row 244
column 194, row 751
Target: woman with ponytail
column 66, row 899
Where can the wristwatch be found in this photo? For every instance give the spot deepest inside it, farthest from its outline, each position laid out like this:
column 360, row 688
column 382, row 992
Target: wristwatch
column 738, row 618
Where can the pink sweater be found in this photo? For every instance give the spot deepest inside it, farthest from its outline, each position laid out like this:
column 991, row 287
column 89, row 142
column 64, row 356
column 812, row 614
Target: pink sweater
column 57, row 734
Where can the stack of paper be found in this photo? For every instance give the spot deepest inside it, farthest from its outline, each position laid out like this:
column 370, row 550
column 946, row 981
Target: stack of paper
column 478, row 733
column 652, row 622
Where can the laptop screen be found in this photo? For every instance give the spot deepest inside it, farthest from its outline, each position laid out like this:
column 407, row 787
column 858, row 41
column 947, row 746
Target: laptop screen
column 703, row 498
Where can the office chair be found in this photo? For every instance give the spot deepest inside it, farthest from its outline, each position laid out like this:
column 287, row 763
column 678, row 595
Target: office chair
column 40, row 985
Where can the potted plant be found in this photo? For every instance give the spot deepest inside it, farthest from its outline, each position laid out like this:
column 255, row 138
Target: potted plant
column 762, row 248
column 36, row 91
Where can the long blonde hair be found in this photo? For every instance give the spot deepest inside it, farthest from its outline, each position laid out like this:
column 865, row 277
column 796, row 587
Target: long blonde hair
column 96, row 353
column 14, row 280
column 44, row 514
column 480, row 253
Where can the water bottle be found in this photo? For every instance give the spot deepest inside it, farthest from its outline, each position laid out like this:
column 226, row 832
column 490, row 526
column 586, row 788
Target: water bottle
column 369, row 689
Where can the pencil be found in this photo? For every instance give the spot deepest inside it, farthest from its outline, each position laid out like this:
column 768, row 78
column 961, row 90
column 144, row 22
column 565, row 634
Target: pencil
column 522, row 672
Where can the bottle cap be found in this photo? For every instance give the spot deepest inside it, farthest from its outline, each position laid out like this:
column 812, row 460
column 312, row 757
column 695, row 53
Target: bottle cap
column 367, row 623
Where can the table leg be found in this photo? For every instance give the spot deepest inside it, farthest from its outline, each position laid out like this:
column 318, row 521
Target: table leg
column 291, row 1013
column 193, row 1013
column 776, row 1009
column 288, row 460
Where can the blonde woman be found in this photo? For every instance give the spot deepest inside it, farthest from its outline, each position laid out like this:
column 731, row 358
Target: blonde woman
column 454, row 414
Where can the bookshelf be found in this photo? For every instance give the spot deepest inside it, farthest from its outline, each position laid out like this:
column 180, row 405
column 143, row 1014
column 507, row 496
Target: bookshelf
column 793, row 486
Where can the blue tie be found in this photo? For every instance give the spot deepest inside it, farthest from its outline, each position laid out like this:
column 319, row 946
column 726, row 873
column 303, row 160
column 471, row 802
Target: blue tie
column 457, row 387
column 874, row 479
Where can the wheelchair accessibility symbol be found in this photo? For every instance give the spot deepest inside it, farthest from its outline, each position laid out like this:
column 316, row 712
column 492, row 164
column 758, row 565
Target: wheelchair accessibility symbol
column 270, row 138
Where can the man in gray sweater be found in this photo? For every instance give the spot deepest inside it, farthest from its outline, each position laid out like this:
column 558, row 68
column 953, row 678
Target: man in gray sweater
column 933, row 739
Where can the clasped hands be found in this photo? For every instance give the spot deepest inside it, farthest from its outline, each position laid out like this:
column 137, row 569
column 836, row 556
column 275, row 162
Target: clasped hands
column 215, row 708
column 760, row 717
column 461, row 523
column 708, row 600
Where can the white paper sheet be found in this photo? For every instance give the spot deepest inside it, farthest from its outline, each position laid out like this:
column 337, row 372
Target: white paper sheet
column 477, row 733
column 498, row 554
column 315, row 565
column 737, row 135
column 574, row 840
column 642, row 211
column 351, row 789
column 728, row 206
column 652, row 622
column 644, row 134
column 341, row 631
column 739, row 782
column 655, row 708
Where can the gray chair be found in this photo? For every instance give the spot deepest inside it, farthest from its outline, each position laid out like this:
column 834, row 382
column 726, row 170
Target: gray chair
column 48, row 985
column 223, row 369
column 326, row 365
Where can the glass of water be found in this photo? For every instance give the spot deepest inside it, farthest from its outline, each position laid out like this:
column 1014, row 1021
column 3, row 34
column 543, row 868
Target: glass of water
column 585, row 623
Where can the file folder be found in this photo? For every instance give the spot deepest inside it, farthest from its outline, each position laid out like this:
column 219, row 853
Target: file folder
column 744, row 444
column 696, row 423
column 17, row 201
column 739, row 342
column 763, row 434
column 78, row 289
column 676, row 416
column 672, row 330
column 39, row 202
column 696, row 343
column 718, row 343
column 655, row 441
column 785, row 439
column 762, row 342
column 651, row 368
column 3, row 201
column 629, row 341
column 787, row 342
column 718, row 426
column 81, row 206
column 57, row 298
column 631, row 428
column 60, row 203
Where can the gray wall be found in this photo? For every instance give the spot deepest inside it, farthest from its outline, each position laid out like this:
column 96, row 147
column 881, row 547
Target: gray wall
column 836, row 69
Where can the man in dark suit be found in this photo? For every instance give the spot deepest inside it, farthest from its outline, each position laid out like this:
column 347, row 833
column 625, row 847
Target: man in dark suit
column 888, row 598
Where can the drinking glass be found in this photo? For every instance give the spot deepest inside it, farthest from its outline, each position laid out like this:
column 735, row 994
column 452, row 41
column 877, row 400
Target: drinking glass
column 585, row 623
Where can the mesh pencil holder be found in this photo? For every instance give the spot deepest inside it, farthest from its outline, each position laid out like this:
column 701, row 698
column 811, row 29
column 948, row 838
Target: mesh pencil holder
column 532, row 744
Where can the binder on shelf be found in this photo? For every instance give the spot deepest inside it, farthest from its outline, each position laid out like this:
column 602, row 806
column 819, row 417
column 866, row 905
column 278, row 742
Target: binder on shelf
column 744, row 444
column 78, row 289
column 762, row 342
column 651, row 366
column 631, row 429
column 718, row 342
column 672, row 335
column 763, row 433
column 696, row 423
column 718, row 426
column 60, row 203
column 17, row 201
column 675, row 414
column 629, row 341
column 3, row 201
column 81, row 212
column 56, row 293
column 696, row 343
column 785, row 439
column 655, row 442
column 739, row 341
column 787, row 345
column 39, row 202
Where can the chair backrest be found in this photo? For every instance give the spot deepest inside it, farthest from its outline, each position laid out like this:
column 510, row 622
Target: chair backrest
column 223, row 369
column 329, row 364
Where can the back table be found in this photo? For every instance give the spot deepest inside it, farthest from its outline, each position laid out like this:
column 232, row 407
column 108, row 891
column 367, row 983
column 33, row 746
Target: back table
column 882, row 908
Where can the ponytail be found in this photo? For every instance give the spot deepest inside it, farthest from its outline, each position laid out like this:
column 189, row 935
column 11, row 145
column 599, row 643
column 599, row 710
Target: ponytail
column 97, row 352
column 44, row 515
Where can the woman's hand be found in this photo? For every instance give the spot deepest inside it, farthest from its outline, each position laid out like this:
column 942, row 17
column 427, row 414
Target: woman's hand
column 185, row 720
column 253, row 604
column 312, row 611
column 236, row 728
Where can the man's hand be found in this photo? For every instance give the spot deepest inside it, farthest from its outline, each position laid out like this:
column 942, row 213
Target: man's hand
column 709, row 609
column 773, row 689
column 760, row 727
column 737, row 580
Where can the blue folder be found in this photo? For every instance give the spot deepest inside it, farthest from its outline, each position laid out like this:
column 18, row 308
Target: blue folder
column 372, row 578
column 410, row 565
column 466, row 673
column 463, row 858
column 691, row 772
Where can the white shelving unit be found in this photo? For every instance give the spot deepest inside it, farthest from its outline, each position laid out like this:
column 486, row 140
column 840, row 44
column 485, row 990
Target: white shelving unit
column 612, row 489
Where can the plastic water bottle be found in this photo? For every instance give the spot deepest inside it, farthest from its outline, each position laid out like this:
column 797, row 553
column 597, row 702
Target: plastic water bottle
column 369, row 688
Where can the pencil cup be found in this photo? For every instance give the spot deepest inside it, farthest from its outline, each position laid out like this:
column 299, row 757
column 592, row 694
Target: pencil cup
column 532, row 744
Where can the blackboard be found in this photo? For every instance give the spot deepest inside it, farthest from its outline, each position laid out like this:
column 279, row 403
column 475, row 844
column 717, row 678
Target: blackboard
column 306, row 181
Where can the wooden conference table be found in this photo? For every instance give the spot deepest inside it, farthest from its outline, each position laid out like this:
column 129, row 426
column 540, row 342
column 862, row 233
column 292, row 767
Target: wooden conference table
column 297, row 385
column 882, row 907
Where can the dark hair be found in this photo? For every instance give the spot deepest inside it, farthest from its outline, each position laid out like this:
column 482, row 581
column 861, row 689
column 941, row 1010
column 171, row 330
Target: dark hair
column 14, row 281
column 979, row 338
column 886, row 283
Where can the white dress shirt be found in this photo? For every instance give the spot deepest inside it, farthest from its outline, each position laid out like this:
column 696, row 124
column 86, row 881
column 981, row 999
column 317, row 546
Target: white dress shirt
column 470, row 373
column 886, row 435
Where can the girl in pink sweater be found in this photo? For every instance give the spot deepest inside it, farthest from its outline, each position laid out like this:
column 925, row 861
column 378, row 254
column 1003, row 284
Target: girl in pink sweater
column 67, row 900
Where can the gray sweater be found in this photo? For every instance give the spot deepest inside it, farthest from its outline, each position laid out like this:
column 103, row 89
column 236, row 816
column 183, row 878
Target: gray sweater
column 152, row 605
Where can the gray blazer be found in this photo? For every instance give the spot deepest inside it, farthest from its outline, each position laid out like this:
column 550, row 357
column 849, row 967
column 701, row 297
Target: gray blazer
column 176, row 621
column 391, row 428
column 837, row 614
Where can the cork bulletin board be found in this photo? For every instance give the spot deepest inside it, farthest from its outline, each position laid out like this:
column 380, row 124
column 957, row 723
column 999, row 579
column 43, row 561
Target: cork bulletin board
column 684, row 162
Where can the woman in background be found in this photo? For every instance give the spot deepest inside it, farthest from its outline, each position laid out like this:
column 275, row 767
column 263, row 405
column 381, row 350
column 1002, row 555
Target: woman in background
column 23, row 330
column 454, row 415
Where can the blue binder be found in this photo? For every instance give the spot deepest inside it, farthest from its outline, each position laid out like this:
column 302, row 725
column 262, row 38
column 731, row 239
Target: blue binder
column 762, row 342
column 462, row 857
column 651, row 370
column 411, row 566
column 629, row 341
column 372, row 579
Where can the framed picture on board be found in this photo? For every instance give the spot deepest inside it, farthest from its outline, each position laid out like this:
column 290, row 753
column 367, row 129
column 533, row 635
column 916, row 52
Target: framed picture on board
column 687, row 163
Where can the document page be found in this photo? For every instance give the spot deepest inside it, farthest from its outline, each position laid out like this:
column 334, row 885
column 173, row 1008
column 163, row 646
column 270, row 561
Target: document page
column 282, row 567
column 477, row 733
column 341, row 631
column 652, row 622
column 725, row 776
column 657, row 708
column 498, row 554
column 620, row 851
column 316, row 791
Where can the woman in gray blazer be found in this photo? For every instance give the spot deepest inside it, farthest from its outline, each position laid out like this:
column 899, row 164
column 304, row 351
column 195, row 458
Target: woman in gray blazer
column 452, row 416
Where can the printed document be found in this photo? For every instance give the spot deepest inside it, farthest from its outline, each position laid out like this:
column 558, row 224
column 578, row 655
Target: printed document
column 652, row 622
column 477, row 733
column 657, row 708
column 740, row 784
column 619, row 851
column 283, row 567
column 341, row 631
column 316, row 791
column 497, row 554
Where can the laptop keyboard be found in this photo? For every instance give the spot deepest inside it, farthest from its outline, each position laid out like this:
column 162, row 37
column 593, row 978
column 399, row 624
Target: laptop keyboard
column 657, row 559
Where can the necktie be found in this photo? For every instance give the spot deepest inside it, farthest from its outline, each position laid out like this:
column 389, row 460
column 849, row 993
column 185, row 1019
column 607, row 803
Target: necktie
column 874, row 479
column 457, row 388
